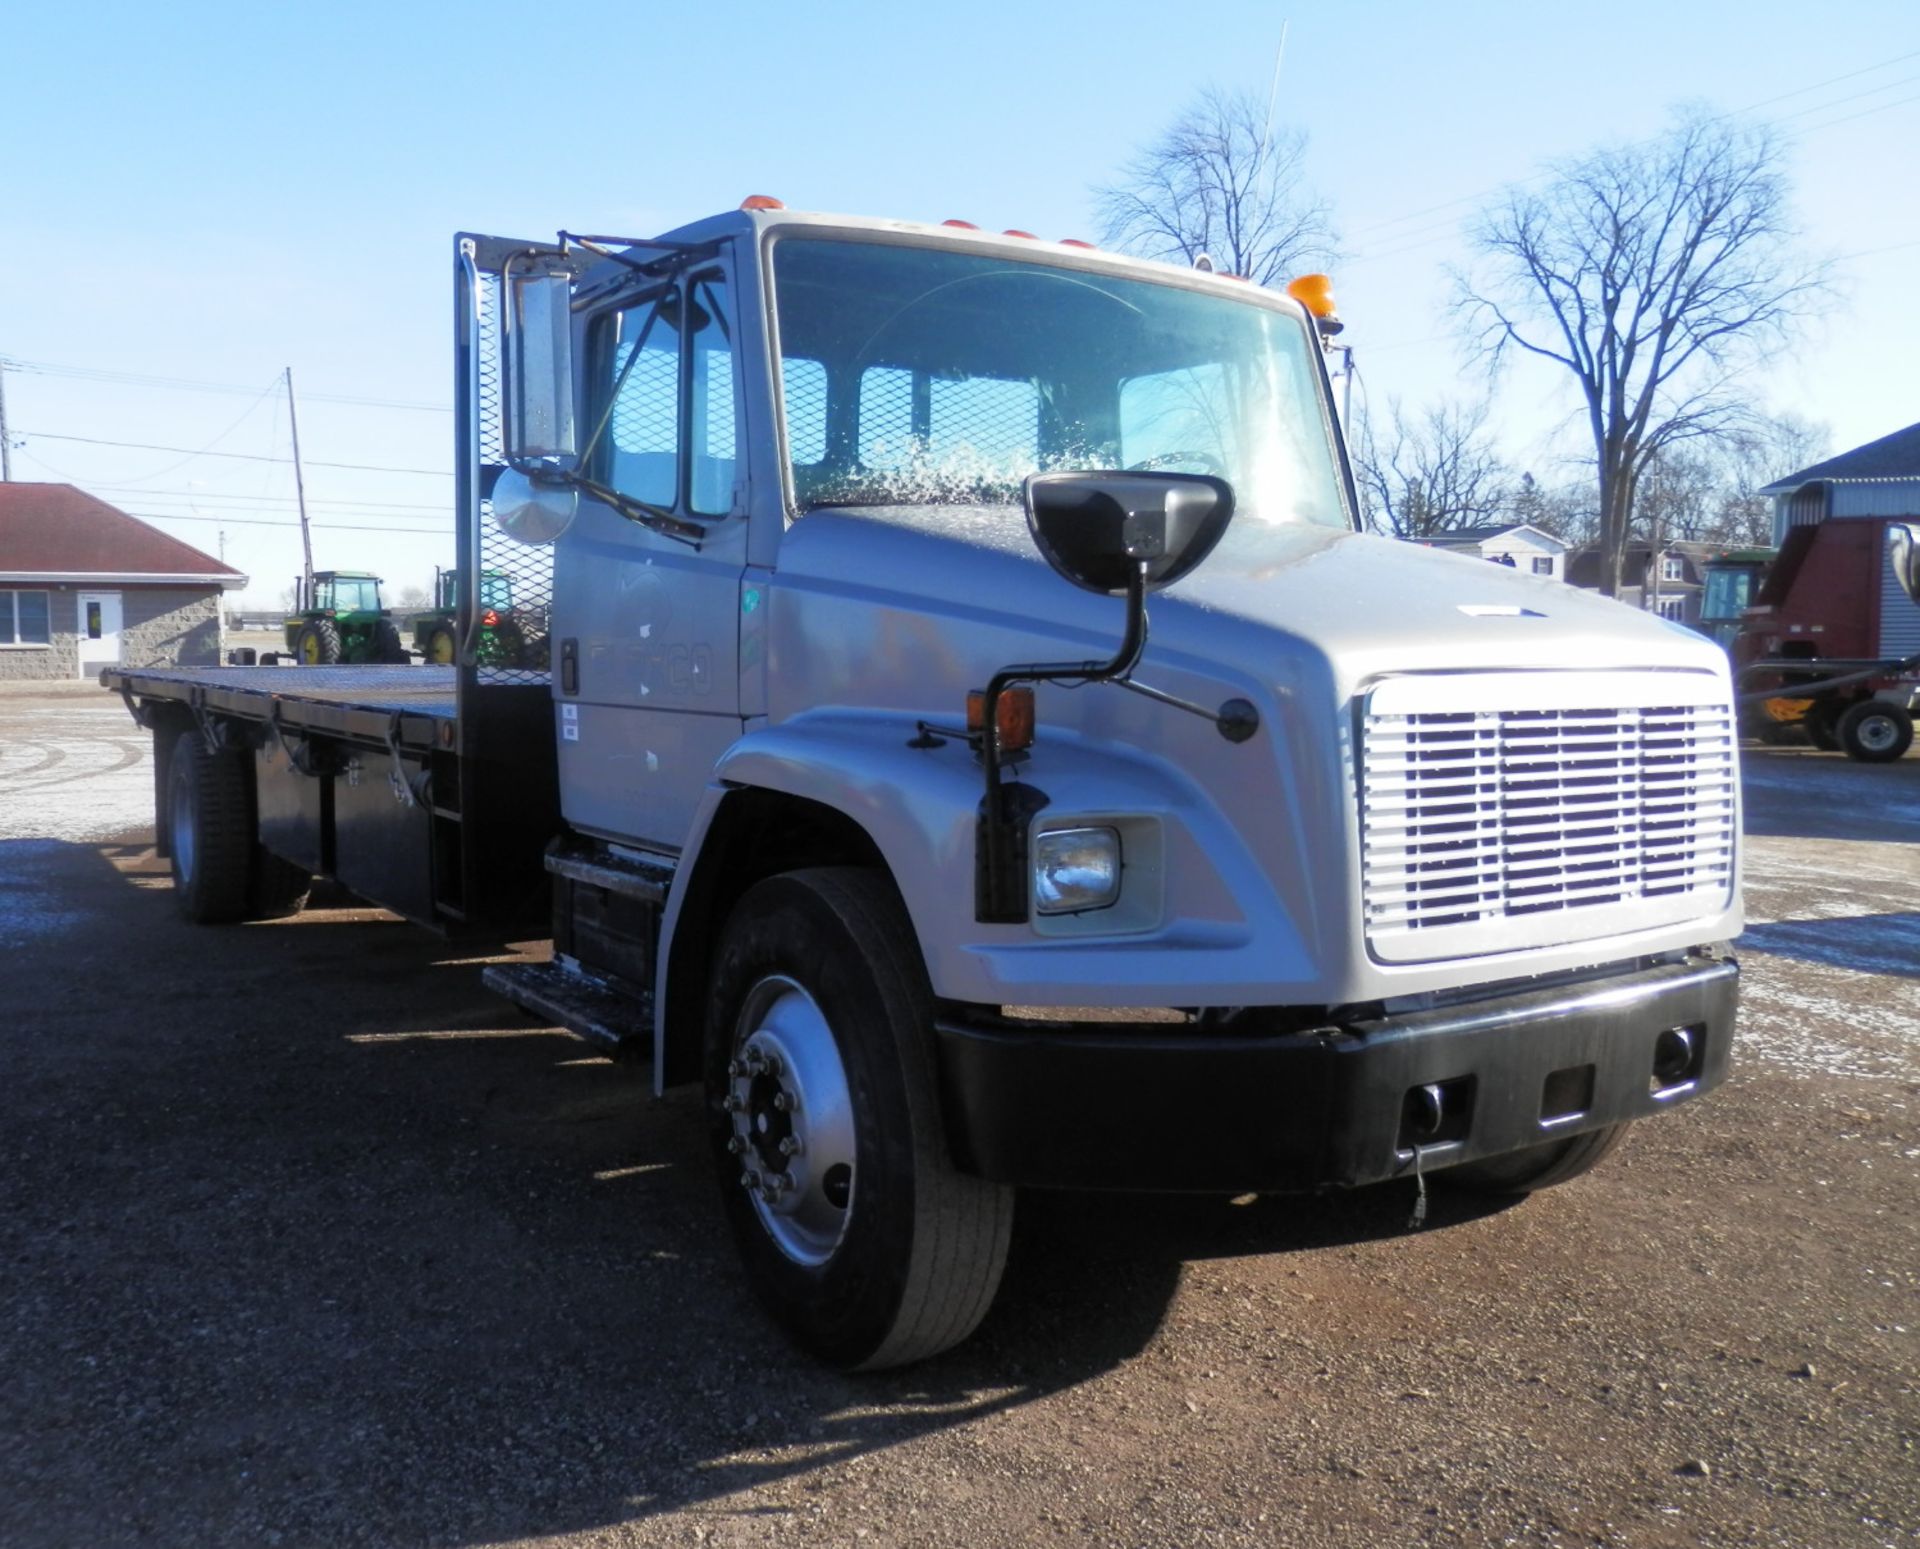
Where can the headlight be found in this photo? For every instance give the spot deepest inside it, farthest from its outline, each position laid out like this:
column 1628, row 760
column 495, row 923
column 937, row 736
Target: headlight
column 1075, row 869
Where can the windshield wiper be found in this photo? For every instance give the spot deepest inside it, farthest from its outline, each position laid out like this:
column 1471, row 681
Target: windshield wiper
column 648, row 516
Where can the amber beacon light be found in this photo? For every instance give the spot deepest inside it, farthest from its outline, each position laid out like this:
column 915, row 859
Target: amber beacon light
column 1315, row 293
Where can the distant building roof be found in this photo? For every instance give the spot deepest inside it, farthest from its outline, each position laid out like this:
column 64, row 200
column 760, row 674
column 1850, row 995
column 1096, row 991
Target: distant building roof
column 1891, row 457
column 1463, row 535
column 55, row 532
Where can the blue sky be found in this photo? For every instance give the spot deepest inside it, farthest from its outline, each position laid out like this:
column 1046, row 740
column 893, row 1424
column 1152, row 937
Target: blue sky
column 211, row 192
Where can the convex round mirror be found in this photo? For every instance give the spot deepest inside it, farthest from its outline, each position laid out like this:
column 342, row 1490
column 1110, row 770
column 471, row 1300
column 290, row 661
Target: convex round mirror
column 1096, row 528
column 1903, row 553
column 532, row 510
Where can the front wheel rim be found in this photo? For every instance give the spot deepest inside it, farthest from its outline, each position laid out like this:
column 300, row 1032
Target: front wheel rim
column 791, row 1112
column 1876, row 733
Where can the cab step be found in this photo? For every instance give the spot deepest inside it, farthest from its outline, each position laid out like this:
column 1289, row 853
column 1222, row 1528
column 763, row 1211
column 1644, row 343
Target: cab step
column 582, row 1002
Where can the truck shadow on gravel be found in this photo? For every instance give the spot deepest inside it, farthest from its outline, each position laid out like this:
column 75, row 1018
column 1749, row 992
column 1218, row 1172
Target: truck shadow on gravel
column 310, row 1240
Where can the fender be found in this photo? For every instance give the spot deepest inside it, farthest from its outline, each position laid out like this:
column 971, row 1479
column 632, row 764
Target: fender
column 1220, row 936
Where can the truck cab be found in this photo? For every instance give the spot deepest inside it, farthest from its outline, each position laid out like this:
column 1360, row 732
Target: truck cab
column 969, row 740
column 1370, row 862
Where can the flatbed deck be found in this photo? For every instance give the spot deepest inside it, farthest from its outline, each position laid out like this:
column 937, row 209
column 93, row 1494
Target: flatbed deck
column 358, row 701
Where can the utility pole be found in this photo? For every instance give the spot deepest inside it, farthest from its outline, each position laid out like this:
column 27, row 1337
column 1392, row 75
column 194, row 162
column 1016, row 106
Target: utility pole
column 6, row 445
column 300, row 483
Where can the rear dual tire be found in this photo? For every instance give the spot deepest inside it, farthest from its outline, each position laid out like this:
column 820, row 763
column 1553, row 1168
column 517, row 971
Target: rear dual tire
column 220, row 871
column 873, row 1251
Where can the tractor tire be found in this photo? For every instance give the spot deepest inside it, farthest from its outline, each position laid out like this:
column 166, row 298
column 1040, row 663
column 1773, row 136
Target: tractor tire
column 386, row 643
column 1537, row 1167
column 317, row 644
column 211, row 827
column 1821, row 724
column 856, row 1231
column 439, row 648
column 1875, row 731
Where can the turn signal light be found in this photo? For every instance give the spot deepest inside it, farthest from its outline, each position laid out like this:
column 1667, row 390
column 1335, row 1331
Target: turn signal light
column 1014, row 713
column 761, row 202
column 490, row 619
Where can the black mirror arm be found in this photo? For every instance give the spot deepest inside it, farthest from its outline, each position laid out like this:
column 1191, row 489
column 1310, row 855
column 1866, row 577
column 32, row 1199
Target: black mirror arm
column 999, row 841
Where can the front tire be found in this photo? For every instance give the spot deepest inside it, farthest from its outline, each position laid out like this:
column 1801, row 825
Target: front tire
column 856, row 1231
column 1875, row 731
column 318, row 644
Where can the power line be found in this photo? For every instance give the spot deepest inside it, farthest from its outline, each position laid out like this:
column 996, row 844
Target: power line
column 1834, row 80
column 135, row 379
column 197, row 497
column 250, row 457
column 291, row 527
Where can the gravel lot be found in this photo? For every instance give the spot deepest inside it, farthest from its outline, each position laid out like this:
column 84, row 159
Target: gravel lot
column 308, row 1240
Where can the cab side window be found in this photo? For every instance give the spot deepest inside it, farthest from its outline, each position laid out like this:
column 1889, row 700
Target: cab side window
column 667, row 391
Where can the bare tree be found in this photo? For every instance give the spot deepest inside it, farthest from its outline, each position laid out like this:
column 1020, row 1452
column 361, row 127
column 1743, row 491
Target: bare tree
column 1220, row 181
column 1653, row 273
column 1432, row 471
column 1769, row 448
column 412, row 598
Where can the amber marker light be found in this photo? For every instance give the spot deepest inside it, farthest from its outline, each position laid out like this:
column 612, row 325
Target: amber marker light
column 1014, row 713
column 761, row 202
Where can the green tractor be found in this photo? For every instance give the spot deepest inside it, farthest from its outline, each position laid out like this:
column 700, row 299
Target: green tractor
column 508, row 636
column 337, row 617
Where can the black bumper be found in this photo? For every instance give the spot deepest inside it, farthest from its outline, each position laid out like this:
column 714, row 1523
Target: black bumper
column 1143, row 1106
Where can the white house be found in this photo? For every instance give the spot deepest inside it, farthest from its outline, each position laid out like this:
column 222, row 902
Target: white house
column 1525, row 547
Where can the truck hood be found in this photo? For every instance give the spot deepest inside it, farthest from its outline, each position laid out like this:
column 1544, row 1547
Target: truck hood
column 1270, row 602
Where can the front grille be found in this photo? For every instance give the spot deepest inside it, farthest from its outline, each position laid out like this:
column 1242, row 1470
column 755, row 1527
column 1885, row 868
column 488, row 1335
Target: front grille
column 1487, row 829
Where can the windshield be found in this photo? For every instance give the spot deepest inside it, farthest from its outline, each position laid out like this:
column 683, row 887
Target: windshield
column 1727, row 596
column 353, row 596
column 920, row 376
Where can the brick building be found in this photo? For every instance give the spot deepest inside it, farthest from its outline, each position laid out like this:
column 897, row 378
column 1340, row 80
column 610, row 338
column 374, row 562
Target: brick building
column 85, row 586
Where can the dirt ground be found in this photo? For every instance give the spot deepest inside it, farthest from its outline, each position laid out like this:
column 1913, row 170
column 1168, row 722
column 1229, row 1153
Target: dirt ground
column 307, row 1240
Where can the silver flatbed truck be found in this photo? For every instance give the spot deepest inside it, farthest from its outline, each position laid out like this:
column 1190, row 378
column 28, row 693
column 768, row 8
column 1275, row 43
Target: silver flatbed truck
column 861, row 791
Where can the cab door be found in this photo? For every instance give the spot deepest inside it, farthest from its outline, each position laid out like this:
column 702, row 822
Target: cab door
column 646, row 679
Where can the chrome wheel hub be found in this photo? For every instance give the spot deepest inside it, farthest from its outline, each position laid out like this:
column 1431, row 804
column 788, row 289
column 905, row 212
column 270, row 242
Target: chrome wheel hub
column 792, row 1119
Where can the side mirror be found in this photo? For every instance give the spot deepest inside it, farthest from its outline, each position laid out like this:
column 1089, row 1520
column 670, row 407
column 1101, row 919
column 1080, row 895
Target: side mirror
column 537, row 361
column 1903, row 553
column 1109, row 532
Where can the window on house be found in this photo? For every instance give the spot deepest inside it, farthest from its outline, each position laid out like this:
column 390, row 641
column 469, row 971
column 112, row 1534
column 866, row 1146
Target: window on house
column 1673, row 568
column 24, row 619
column 1673, row 608
column 1543, row 564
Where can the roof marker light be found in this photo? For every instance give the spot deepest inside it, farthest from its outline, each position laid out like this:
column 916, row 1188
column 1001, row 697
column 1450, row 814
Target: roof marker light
column 1076, row 242
column 962, row 225
column 1010, row 232
column 761, row 202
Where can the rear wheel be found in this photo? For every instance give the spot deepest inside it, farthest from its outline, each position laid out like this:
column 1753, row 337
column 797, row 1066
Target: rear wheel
column 318, row 643
column 210, row 824
column 1875, row 731
column 1539, row 1167
column 386, row 642
column 438, row 647
column 856, row 1231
